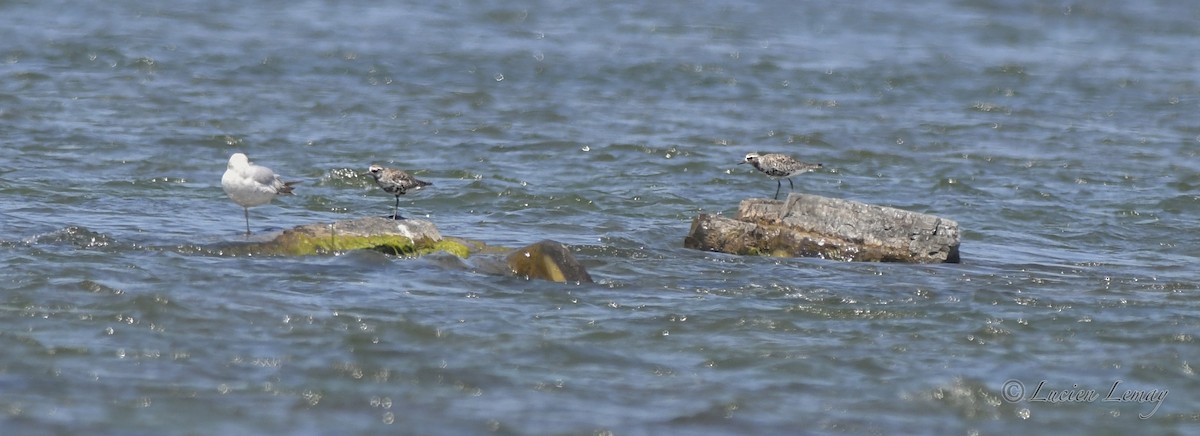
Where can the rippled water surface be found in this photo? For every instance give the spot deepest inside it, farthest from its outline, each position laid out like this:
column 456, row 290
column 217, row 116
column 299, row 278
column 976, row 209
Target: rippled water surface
column 1063, row 137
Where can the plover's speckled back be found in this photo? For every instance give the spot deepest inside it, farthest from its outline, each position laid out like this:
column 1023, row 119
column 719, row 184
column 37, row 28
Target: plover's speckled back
column 779, row 166
column 251, row 185
column 395, row 182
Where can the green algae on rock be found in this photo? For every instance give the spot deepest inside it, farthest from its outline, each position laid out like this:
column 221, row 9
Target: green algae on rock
column 545, row 260
column 409, row 237
column 399, row 237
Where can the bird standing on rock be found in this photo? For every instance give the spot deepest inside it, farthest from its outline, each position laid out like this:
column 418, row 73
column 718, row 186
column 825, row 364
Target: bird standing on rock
column 779, row 166
column 395, row 182
column 251, row 185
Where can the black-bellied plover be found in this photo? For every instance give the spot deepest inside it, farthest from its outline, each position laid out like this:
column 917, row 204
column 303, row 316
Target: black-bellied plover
column 251, row 185
column 395, row 182
column 779, row 166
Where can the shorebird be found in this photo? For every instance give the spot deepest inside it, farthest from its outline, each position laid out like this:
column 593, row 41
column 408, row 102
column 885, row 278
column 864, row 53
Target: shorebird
column 395, row 182
column 251, row 185
column 779, row 166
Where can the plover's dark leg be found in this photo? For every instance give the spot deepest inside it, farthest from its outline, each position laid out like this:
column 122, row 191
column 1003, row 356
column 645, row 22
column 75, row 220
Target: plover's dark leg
column 778, row 185
column 790, row 184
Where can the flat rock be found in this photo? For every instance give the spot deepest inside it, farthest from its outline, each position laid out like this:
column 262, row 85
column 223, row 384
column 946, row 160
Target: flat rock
column 399, row 237
column 544, row 260
column 806, row 225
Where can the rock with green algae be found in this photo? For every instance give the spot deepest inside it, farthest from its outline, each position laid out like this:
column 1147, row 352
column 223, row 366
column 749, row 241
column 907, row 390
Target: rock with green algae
column 400, row 237
column 545, row 260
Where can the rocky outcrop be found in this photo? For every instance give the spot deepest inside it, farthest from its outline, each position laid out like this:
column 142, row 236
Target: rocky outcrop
column 807, row 225
column 546, row 260
column 399, row 237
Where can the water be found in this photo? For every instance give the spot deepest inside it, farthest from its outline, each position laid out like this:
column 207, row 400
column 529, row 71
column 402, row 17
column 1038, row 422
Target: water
column 1062, row 137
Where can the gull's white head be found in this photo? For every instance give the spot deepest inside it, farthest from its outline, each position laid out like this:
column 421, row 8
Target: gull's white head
column 239, row 160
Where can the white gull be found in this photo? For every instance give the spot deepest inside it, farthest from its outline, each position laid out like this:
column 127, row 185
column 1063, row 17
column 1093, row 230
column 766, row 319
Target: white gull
column 251, row 185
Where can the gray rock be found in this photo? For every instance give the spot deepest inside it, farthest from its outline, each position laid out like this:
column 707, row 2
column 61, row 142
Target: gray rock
column 808, row 225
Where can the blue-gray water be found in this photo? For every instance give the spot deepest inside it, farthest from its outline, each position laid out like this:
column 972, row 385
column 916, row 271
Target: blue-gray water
column 1062, row 136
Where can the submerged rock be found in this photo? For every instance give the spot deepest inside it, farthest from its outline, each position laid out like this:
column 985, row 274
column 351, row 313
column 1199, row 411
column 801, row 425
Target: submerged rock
column 807, row 225
column 546, row 260
column 400, row 237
